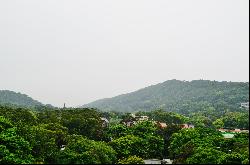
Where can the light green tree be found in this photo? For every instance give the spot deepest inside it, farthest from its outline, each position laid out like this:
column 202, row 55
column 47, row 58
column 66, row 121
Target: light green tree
column 131, row 160
column 13, row 148
column 218, row 123
column 80, row 150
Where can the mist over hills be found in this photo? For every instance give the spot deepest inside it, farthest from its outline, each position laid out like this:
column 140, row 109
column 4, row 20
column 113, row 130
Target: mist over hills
column 179, row 96
column 13, row 98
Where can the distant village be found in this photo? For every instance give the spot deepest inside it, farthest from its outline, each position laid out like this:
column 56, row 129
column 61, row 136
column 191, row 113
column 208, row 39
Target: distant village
column 133, row 120
column 227, row 133
column 137, row 119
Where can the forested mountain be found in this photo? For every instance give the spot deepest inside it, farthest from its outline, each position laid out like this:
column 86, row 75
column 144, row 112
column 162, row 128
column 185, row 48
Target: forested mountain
column 50, row 135
column 179, row 96
column 12, row 98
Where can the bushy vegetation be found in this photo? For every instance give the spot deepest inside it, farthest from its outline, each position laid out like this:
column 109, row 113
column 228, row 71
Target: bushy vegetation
column 28, row 136
column 183, row 97
column 131, row 160
column 32, row 133
column 76, row 136
column 207, row 146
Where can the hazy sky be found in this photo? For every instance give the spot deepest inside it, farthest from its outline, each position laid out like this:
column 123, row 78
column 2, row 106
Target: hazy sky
column 77, row 51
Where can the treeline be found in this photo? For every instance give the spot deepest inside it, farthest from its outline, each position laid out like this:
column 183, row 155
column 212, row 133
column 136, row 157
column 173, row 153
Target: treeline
column 77, row 136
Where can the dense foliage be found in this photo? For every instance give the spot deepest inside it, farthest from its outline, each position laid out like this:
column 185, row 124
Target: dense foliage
column 80, row 150
column 47, row 135
column 131, row 160
column 207, row 146
column 14, row 149
column 180, row 96
column 28, row 136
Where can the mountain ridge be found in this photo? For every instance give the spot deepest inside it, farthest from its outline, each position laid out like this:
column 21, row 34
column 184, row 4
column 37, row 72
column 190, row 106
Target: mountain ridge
column 164, row 95
column 8, row 97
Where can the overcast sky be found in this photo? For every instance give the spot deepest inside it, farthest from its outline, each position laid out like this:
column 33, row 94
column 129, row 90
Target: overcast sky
column 78, row 51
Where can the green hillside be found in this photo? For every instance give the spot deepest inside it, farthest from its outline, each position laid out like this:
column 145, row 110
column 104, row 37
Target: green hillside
column 180, row 96
column 12, row 98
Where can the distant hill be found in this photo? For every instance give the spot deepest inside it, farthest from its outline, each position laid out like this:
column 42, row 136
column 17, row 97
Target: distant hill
column 12, row 98
column 179, row 96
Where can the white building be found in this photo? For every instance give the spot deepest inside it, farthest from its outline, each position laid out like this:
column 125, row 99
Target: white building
column 244, row 105
column 105, row 122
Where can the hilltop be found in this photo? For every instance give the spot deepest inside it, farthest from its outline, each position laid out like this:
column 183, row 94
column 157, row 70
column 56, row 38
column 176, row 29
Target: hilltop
column 13, row 98
column 179, row 96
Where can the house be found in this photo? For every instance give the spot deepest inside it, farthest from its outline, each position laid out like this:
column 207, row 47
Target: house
column 141, row 118
column 129, row 123
column 166, row 161
column 129, row 120
column 161, row 125
column 229, row 133
column 158, row 161
column 63, row 147
column 133, row 115
column 152, row 161
column 187, row 126
column 191, row 126
column 105, row 122
column 236, row 130
column 132, row 120
column 222, row 130
column 184, row 125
